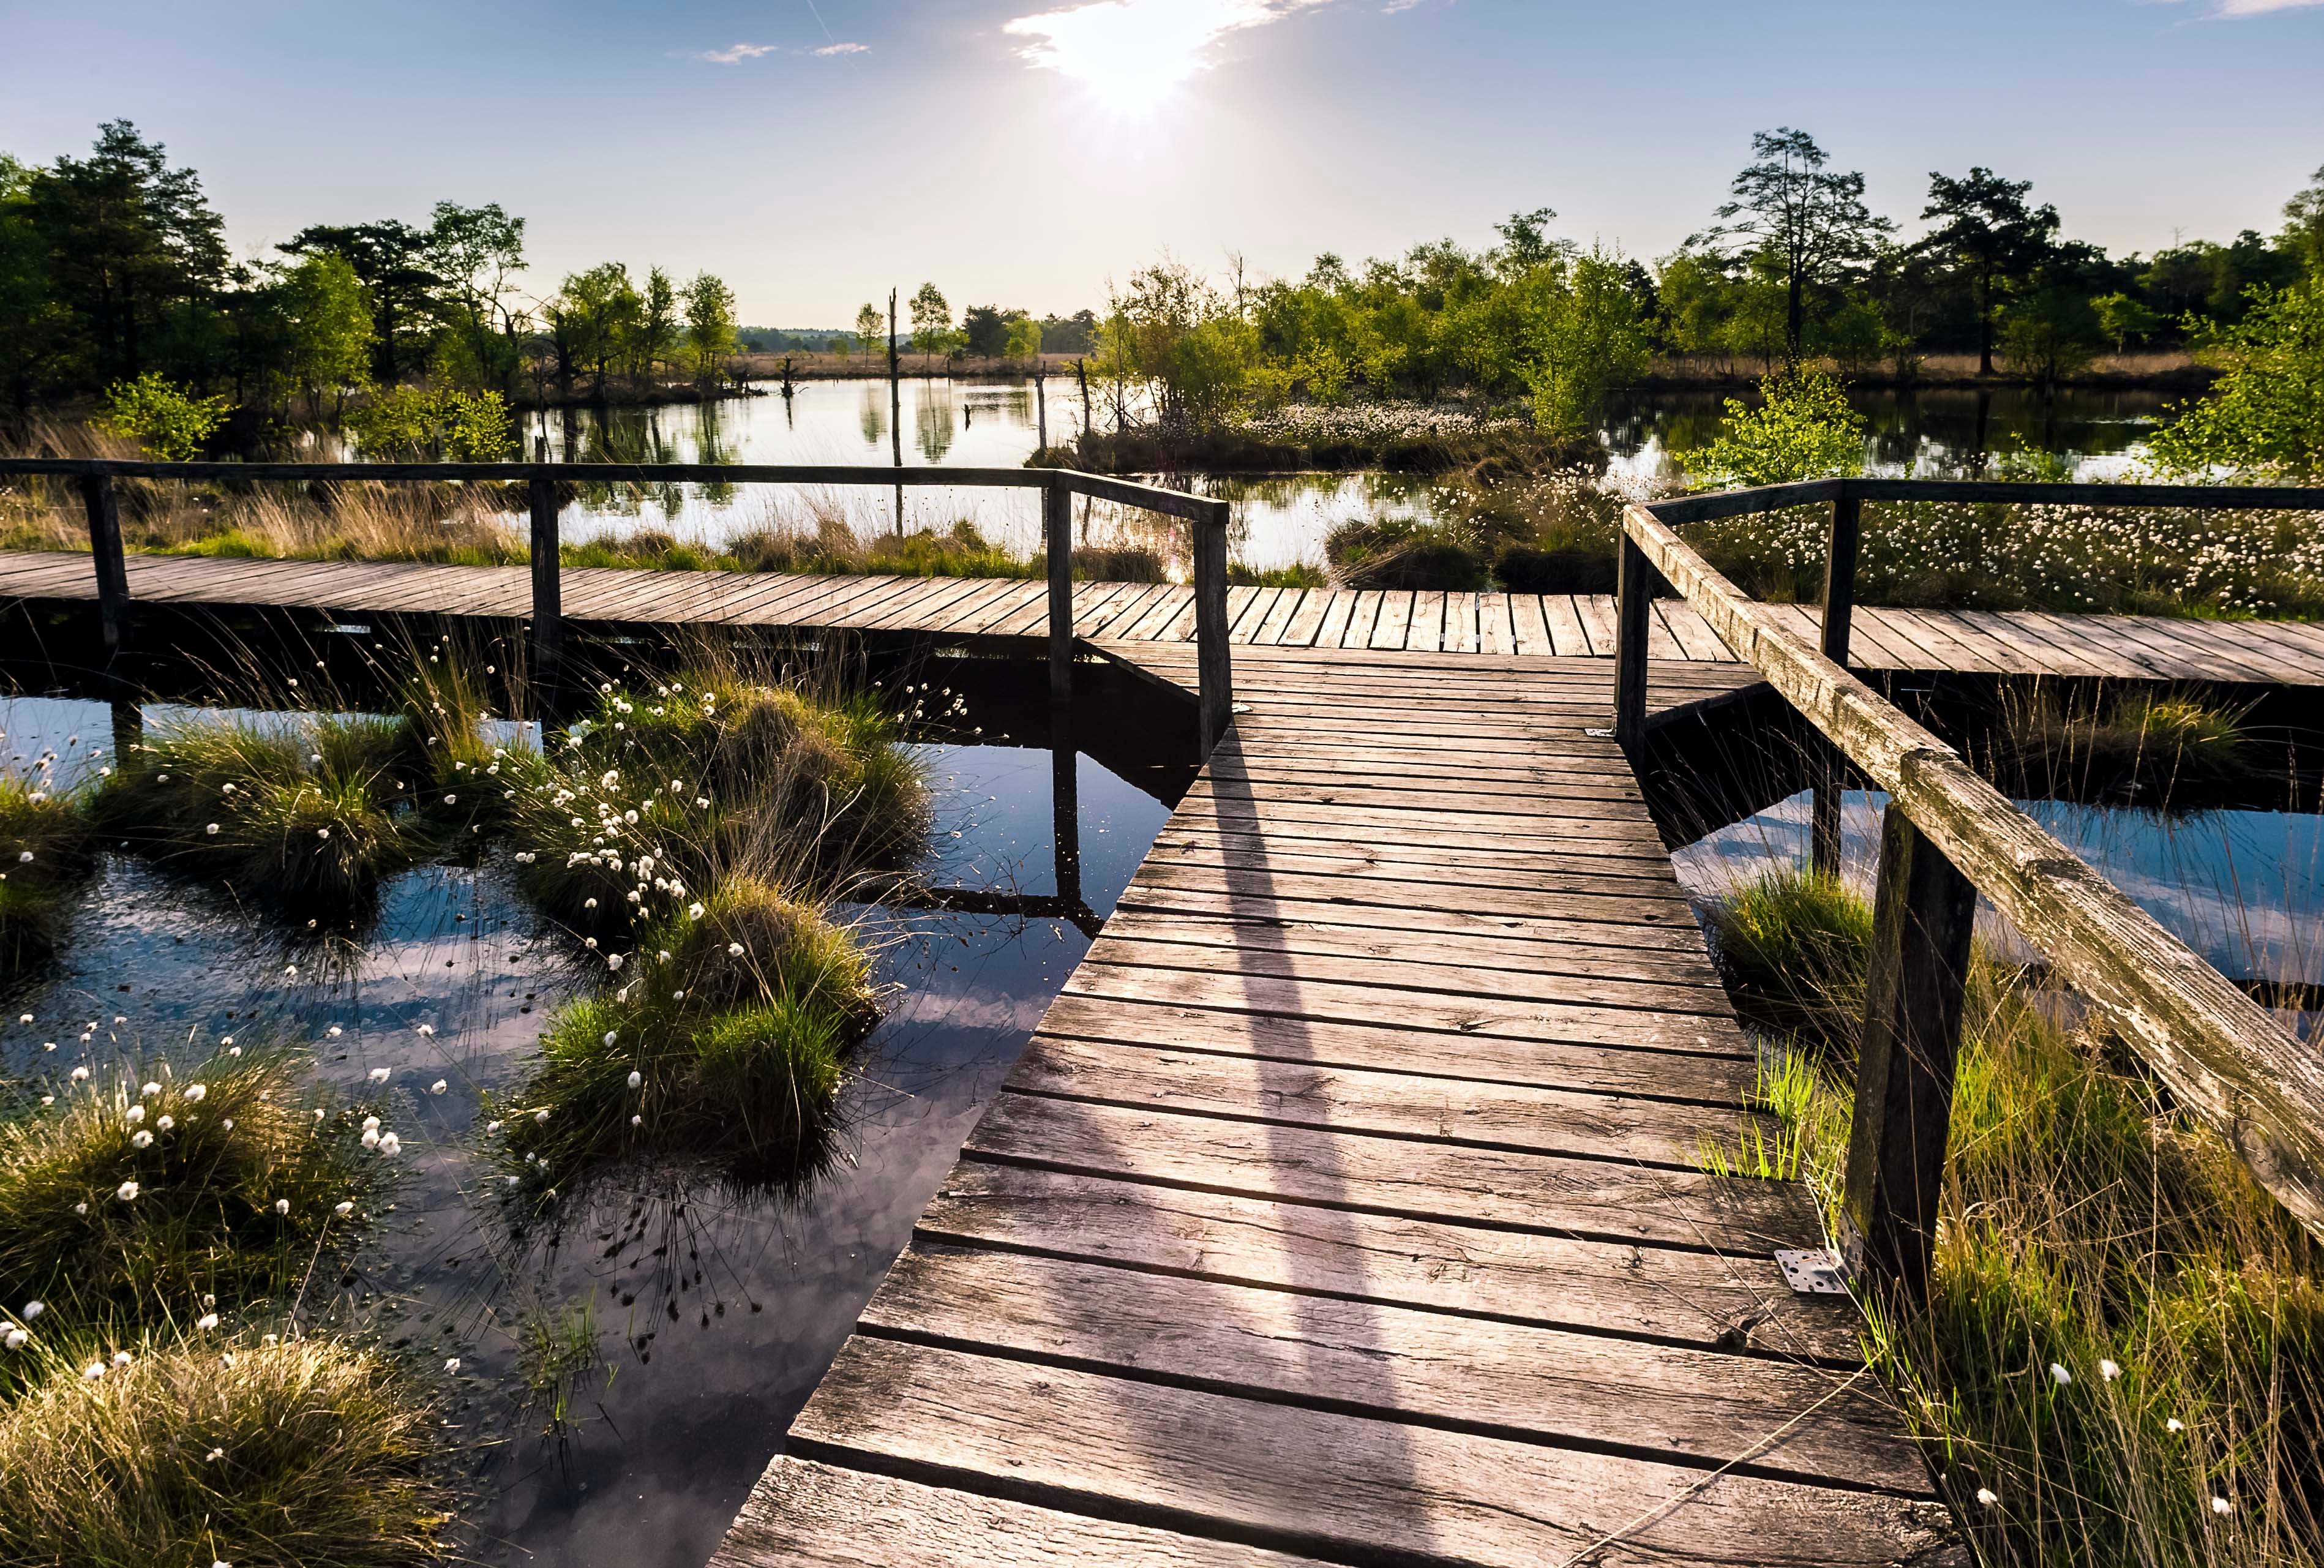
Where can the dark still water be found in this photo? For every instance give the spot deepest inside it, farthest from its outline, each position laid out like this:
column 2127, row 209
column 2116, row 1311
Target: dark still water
column 625, row 1371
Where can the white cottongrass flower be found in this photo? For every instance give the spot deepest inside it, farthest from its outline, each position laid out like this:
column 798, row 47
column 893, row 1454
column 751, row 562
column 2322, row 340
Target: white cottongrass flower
column 612, row 1035
column 390, row 1145
column 140, row 1139
column 2221, row 1505
column 24, row 1018
column 636, row 1121
column 165, row 1122
column 344, row 1207
column 196, row 1092
column 126, row 1192
column 282, row 1205
column 379, row 1074
column 122, row 1358
column 206, row 1322
column 81, row 1074
column 451, row 801
column 426, row 1029
column 439, row 1087
column 332, row 1033
column 322, row 833
column 541, row 1115
column 636, row 1078
column 734, row 950
column 2059, row 1374
column 2108, row 1371
column 2174, row 1424
column 613, row 962
column 81, row 1208
column 694, row 911
column 371, row 1124
column 15, row 1339
column 137, row 1114
column 371, row 1138
column 151, row 1090
column 32, row 1309
column 93, row 1371
column 1984, row 1495
column 211, row 830
column 453, row 1365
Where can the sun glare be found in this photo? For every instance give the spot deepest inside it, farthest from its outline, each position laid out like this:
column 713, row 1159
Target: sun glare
column 1133, row 54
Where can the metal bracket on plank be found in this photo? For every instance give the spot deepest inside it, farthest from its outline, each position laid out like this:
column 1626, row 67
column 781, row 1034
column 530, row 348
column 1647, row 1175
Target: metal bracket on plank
column 1600, row 734
column 1814, row 1270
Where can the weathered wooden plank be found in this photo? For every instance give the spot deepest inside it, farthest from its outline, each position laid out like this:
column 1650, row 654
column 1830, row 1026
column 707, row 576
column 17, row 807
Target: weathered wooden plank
column 1594, row 1199
column 1158, row 899
column 1462, row 1111
column 1596, row 614
column 1393, row 626
column 804, row 1514
column 1532, row 1384
column 1215, row 1463
column 1737, row 1304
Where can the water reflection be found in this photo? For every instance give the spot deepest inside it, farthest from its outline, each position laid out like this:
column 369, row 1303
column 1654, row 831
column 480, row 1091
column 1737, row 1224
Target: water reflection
column 630, row 1356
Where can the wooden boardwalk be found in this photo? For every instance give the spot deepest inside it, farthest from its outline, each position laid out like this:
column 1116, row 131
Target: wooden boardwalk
column 1348, row 1206
column 1554, row 625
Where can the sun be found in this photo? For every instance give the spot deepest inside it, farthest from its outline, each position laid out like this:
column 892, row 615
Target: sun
column 1132, row 55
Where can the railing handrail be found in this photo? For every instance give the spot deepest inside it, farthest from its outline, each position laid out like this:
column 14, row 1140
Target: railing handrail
column 1214, row 661
column 1720, row 504
column 2220, row 1052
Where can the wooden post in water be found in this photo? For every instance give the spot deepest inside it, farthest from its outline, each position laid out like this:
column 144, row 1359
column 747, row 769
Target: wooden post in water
column 1922, row 918
column 547, row 582
column 1081, row 369
column 1041, row 403
column 1212, row 657
column 1057, row 530
column 1634, row 587
column 112, row 573
column 895, row 405
column 1065, row 807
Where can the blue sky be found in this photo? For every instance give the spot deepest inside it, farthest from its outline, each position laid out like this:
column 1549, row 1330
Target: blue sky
column 1022, row 151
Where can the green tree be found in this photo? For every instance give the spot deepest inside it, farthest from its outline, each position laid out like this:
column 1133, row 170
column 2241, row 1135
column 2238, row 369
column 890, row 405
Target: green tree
column 872, row 329
column 1804, row 429
column 656, row 341
column 477, row 253
column 1024, row 338
column 35, row 330
column 133, row 254
column 327, row 318
column 599, row 311
column 435, row 425
column 1586, row 333
column 1989, row 237
column 986, row 331
column 932, row 330
column 2050, row 332
column 2303, row 226
column 392, row 259
column 709, row 324
column 165, row 418
column 2264, row 416
column 2125, row 319
column 1810, row 219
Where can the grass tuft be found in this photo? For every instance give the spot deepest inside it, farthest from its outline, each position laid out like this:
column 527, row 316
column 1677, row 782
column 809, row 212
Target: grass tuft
column 297, row 1453
column 45, row 854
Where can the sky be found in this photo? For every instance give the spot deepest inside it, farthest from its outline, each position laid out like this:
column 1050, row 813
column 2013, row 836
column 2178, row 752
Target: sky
column 1026, row 153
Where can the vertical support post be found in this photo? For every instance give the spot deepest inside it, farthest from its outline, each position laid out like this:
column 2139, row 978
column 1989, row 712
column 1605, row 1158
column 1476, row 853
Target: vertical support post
column 1634, row 589
column 1213, row 658
column 1065, row 808
column 1840, row 576
column 1921, row 925
column 1057, row 530
column 112, row 574
column 547, row 582
column 1040, row 404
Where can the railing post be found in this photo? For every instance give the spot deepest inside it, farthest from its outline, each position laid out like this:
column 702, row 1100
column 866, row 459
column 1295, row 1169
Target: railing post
column 548, row 586
column 1634, row 586
column 1840, row 576
column 1057, row 533
column 112, row 573
column 1922, row 915
column 1213, row 658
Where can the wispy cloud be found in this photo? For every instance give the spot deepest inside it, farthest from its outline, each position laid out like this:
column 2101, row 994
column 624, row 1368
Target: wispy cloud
column 830, row 50
column 2233, row 10
column 1136, row 49
column 736, row 54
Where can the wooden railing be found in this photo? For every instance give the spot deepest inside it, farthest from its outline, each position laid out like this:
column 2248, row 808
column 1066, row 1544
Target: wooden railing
column 1948, row 835
column 1057, row 487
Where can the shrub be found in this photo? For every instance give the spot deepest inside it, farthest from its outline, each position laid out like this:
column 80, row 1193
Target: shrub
column 166, row 420
column 440, row 425
column 2265, row 417
column 297, row 1453
column 1804, row 429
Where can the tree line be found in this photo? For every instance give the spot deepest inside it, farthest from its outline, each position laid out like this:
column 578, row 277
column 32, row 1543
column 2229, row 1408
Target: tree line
column 114, row 269
column 1793, row 266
